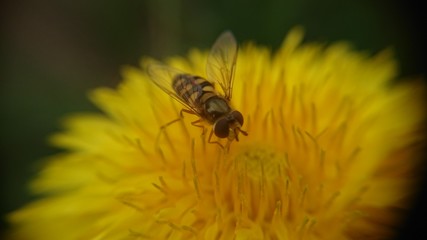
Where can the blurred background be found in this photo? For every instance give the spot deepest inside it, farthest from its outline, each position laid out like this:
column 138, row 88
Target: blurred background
column 54, row 52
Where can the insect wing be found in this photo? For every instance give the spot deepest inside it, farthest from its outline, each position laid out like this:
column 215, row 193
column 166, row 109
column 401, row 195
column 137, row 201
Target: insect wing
column 221, row 63
column 163, row 76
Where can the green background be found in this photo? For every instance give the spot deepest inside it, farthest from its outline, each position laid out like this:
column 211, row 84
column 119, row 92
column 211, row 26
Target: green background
column 54, row 52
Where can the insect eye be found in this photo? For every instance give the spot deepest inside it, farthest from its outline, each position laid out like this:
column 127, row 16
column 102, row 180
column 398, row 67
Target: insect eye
column 238, row 116
column 221, row 128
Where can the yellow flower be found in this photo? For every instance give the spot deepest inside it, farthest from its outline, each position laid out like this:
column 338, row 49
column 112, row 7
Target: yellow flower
column 332, row 147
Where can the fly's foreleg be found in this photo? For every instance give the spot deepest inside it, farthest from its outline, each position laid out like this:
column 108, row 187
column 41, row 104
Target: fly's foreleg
column 216, row 142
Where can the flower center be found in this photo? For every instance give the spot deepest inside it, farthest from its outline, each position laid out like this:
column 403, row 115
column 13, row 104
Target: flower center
column 254, row 185
column 260, row 163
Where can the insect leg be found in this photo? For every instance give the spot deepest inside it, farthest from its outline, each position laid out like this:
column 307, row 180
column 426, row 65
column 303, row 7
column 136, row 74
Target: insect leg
column 194, row 123
column 210, row 137
column 163, row 128
column 181, row 116
column 181, row 113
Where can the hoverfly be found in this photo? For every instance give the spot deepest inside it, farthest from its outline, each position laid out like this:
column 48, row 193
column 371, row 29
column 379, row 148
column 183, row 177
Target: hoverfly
column 199, row 96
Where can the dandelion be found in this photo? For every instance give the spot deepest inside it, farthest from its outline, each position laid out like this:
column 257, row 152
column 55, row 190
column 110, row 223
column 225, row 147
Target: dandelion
column 331, row 153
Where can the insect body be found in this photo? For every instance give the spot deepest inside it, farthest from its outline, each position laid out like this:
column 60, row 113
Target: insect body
column 199, row 95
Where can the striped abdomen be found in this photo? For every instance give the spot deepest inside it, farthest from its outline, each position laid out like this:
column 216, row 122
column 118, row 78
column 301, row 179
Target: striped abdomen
column 193, row 90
